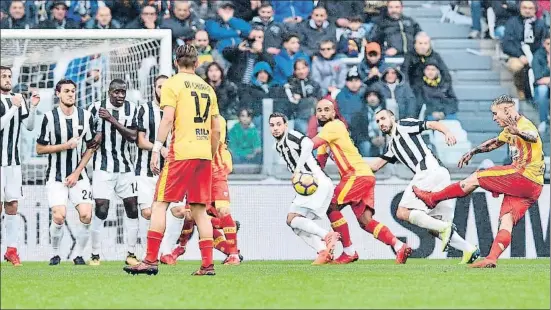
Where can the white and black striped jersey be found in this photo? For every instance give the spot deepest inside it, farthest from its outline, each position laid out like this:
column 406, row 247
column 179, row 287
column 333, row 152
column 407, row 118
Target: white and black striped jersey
column 289, row 147
column 58, row 128
column 114, row 153
column 407, row 146
column 11, row 130
column 149, row 118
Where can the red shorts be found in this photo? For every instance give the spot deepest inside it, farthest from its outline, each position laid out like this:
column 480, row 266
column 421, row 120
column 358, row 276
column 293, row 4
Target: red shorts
column 358, row 192
column 178, row 178
column 220, row 194
column 520, row 192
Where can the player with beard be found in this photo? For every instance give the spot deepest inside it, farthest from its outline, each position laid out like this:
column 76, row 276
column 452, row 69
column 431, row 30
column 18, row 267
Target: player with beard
column 356, row 188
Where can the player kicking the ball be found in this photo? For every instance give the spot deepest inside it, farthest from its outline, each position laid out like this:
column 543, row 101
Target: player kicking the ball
column 63, row 131
column 520, row 183
column 189, row 107
column 296, row 150
column 356, row 188
column 407, row 146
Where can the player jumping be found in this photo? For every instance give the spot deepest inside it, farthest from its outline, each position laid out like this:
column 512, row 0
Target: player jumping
column 356, row 188
column 13, row 112
column 296, row 150
column 407, row 146
column 521, row 183
column 189, row 107
column 63, row 131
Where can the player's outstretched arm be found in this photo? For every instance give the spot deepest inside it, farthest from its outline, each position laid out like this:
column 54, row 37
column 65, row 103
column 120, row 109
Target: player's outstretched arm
column 377, row 164
column 485, row 147
column 439, row 126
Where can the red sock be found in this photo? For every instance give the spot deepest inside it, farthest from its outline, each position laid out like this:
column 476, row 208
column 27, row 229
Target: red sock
column 380, row 232
column 452, row 191
column 187, row 232
column 154, row 239
column 205, row 246
column 220, row 242
column 340, row 225
column 230, row 231
column 501, row 242
column 216, row 223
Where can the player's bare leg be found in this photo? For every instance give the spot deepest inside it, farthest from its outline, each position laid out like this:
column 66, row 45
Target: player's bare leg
column 308, row 230
column 204, row 226
column 83, row 231
column 131, row 224
column 175, row 221
column 56, row 232
column 383, row 234
column 340, row 225
column 455, row 190
column 230, row 232
column 501, row 242
column 11, row 220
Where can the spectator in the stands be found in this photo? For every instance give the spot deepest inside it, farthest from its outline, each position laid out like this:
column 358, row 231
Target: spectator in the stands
column 292, row 12
column 246, row 9
column 372, row 65
column 437, row 95
column 285, row 60
column 183, row 20
column 315, row 30
column 244, row 56
column 543, row 7
column 540, row 65
column 373, row 10
column 124, row 11
column 59, row 19
column 273, row 31
column 205, row 53
column 147, row 19
column 394, row 30
column 16, row 18
column 414, row 61
column 328, row 70
column 399, row 96
column 364, row 131
column 244, row 140
column 339, row 11
column 350, row 43
column 226, row 29
column 350, row 98
column 226, row 91
column 82, row 11
column 503, row 9
column 103, row 20
column 524, row 34
column 476, row 15
column 303, row 92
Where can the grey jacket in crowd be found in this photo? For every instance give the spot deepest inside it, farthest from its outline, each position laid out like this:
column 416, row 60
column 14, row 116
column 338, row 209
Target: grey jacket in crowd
column 329, row 72
column 310, row 36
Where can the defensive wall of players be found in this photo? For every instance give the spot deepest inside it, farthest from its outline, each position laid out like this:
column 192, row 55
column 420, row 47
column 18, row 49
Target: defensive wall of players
column 261, row 208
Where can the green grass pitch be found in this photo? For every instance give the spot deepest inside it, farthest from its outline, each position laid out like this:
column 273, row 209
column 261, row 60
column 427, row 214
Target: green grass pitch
column 422, row 283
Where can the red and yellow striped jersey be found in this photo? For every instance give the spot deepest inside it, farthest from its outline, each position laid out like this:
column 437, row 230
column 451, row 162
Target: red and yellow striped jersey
column 222, row 162
column 527, row 156
column 343, row 152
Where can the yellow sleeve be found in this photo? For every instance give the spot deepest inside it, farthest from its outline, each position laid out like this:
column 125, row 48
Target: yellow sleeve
column 214, row 104
column 168, row 96
column 526, row 125
column 504, row 136
column 330, row 132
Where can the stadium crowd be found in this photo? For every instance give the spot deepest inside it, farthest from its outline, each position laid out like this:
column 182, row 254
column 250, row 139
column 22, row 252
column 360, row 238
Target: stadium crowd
column 297, row 52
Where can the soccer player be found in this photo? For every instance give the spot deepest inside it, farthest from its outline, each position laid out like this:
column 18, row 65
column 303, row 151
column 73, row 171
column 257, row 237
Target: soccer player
column 356, row 188
column 113, row 169
column 189, row 107
column 13, row 112
column 521, row 182
column 407, row 146
column 62, row 134
column 296, row 150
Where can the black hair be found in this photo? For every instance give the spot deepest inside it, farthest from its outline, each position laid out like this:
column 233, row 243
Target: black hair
column 217, row 65
column 162, row 76
column 279, row 114
column 355, row 19
column 266, row 4
column 387, row 111
column 401, row 3
column 248, row 110
column 64, row 82
column 302, row 61
column 5, row 68
column 116, row 84
column 289, row 36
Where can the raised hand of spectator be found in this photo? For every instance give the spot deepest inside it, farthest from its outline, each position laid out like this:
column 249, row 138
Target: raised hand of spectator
column 243, row 46
column 391, row 52
column 149, row 24
column 255, row 4
column 256, row 47
column 342, row 22
column 523, row 59
column 544, row 81
column 331, row 89
column 373, row 72
column 293, row 20
column 273, row 50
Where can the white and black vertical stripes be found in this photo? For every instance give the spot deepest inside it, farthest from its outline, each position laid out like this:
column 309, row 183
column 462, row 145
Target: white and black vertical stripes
column 149, row 118
column 407, row 146
column 58, row 128
column 114, row 153
column 289, row 148
column 9, row 136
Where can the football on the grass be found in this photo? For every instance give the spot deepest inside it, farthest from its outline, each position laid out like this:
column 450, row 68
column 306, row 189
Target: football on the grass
column 305, row 183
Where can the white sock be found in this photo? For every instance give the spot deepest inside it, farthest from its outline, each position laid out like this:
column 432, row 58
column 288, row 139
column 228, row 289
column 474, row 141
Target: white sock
column 96, row 228
column 12, row 230
column 309, row 226
column 312, row 240
column 460, row 243
column 143, row 228
column 131, row 234
column 172, row 233
column 56, row 234
column 398, row 245
column 83, row 234
column 349, row 250
column 423, row 220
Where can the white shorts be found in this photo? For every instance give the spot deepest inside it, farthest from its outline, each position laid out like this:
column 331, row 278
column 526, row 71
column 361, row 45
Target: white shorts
column 146, row 192
column 430, row 180
column 108, row 185
column 314, row 206
column 61, row 195
column 11, row 188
